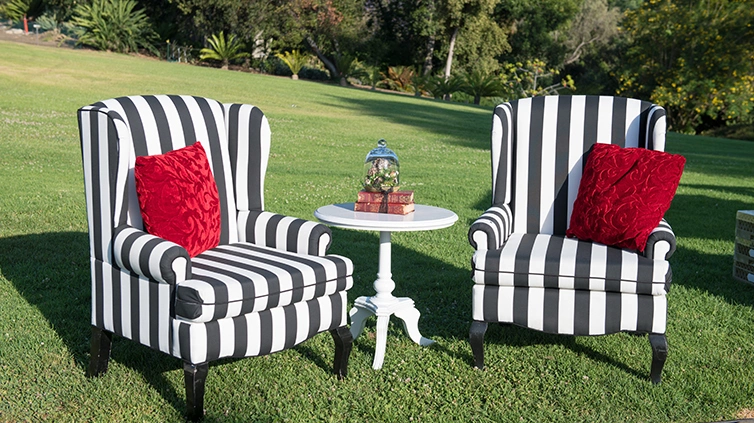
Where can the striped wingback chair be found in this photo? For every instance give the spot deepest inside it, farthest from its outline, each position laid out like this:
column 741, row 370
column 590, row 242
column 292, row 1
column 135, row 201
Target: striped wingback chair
column 525, row 271
column 266, row 287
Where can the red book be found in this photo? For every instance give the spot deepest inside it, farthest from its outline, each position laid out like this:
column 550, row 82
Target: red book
column 390, row 208
column 397, row 197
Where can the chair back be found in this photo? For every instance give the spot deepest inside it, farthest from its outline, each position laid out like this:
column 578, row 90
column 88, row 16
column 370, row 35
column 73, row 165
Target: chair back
column 114, row 132
column 539, row 145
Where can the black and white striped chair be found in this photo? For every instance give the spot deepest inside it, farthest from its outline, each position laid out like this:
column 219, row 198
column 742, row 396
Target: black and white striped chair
column 267, row 287
column 525, row 271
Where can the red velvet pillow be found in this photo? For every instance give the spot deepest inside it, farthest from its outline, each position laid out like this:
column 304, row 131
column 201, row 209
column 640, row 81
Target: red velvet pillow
column 178, row 198
column 623, row 195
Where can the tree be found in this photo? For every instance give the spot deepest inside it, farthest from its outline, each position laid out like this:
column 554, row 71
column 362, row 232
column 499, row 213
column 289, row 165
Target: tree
column 223, row 49
column 199, row 19
column 329, row 28
column 594, row 25
column 533, row 29
column 694, row 58
column 470, row 19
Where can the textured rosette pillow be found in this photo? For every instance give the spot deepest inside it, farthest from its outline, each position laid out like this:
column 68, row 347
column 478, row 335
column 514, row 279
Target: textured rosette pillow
column 178, row 198
column 623, row 195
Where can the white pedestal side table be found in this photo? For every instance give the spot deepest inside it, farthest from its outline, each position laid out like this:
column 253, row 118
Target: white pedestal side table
column 384, row 304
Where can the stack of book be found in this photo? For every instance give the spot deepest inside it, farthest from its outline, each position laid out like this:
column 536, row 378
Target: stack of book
column 398, row 202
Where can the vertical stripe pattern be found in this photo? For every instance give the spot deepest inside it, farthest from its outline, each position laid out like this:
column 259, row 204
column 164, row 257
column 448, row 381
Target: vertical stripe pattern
column 135, row 276
column 524, row 269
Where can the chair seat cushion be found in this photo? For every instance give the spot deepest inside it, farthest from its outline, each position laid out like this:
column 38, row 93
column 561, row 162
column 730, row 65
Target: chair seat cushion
column 236, row 279
column 551, row 261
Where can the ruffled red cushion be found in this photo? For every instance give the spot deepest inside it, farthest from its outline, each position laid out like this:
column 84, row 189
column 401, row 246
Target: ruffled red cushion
column 178, row 198
column 623, row 195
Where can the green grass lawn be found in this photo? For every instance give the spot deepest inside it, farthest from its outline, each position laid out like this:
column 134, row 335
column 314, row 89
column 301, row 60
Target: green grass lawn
column 321, row 134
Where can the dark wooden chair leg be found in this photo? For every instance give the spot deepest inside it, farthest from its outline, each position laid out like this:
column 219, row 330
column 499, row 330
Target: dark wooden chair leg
column 100, row 351
column 343, row 343
column 476, row 339
column 195, row 375
column 659, row 354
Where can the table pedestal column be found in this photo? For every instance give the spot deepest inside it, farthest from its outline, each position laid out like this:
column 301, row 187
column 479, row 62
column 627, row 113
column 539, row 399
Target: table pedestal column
column 383, row 305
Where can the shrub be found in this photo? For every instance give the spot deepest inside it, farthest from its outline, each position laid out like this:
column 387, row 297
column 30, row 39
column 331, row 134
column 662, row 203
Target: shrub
column 114, row 25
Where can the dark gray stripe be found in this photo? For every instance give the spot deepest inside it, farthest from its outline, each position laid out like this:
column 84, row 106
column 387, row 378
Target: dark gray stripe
column 217, row 166
column 612, row 312
column 240, row 332
column 314, row 317
column 613, row 266
column 490, row 298
column 184, row 336
column 154, row 315
column 291, row 323
column 98, row 295
column 618, row 135
column 534, row 180
column 645, row 314
column 551, row 306
column 133, row 117
column 581, row 312
column 562, row 168
column 491, row 266
column 552, row 262
column 521, row 306
column 161, row 120
column 189, row 134
column 213, row 340
column 521, row 266
column 591, row 119
column 582, row 270
column 136, row 302
column 501, row 178
column 233, row 112
column 117, row 307
column 255, row 174
column 265, row 332
column 271, row 229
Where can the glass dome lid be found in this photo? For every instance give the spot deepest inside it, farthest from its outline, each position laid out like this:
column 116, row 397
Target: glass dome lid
column 381, row 169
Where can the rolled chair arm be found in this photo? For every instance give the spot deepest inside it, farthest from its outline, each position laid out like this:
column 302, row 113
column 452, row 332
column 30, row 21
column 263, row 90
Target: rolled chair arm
column 284, row 232
column 661, row 242
column 492, row 228
column 150, row 256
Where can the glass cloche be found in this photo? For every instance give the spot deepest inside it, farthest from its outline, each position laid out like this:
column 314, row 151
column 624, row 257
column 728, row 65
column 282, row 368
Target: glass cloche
column 381, row 169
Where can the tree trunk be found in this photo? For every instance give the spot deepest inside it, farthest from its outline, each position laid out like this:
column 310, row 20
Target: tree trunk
column 451, row 47
column 429, row 56
column 327, row 62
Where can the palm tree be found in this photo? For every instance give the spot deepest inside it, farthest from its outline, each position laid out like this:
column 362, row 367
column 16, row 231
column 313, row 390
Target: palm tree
column 295, row 60
column 223, row 49
column 480, row 85
column 440, row 87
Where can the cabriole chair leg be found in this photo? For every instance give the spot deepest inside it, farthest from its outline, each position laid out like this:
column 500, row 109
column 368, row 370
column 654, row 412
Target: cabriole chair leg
column 100, row 351
column 195, row 375
column 476, row 339
column 343, row 343
column 659, row 354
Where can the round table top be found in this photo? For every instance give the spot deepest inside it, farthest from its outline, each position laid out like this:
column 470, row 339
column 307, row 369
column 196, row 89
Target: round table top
column 423, row 218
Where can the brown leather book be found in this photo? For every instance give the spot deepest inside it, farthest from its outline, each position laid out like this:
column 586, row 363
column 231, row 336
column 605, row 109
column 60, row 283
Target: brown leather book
column 390, row 208
column 397, row 197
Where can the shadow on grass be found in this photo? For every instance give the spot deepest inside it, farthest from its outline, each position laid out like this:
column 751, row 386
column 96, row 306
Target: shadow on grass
column 51, row 271
column 452, row 125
